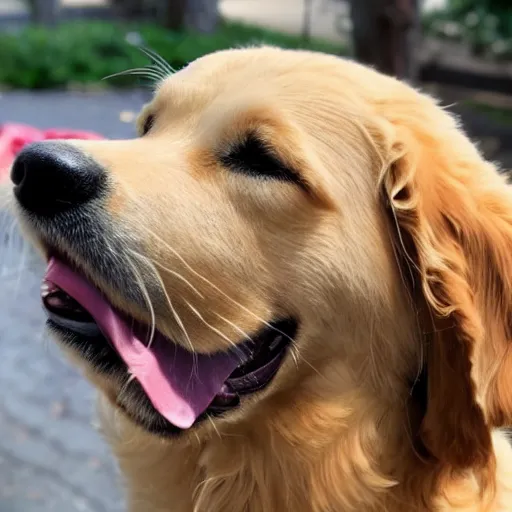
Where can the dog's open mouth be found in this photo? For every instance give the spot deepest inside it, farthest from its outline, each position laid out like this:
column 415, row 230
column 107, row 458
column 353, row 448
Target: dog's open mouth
column 180, row 384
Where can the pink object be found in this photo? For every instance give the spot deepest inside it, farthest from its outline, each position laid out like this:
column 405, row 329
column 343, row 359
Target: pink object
column 13, row 137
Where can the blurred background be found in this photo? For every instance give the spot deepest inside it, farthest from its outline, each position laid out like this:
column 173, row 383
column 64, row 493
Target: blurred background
column 53, row 56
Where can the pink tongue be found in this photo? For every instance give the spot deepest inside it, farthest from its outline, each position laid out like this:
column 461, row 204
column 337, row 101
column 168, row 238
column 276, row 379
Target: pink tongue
column 179, row 384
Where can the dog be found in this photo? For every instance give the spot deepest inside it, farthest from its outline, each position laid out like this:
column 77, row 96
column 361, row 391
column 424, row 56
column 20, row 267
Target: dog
column 292, row 290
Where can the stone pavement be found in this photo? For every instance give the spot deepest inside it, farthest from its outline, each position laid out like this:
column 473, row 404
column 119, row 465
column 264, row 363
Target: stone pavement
column 51, row 459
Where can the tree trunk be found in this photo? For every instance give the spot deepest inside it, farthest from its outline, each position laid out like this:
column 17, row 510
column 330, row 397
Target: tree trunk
column 175, row 15
column 198, row 15
column 385, row 35
column 306, row 19
column 135, row 10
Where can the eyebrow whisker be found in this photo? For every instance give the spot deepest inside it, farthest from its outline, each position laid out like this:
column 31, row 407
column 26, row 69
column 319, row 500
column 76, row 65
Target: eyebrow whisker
column 148, row 72
column 157, row 60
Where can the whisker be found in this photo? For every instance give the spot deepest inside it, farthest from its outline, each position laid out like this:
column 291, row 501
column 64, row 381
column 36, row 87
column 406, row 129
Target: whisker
column 147, row 72
column 294, row 352
column 197, row 274
column 207, row 281
column 214, row 426
column 180, row 277
column 152, row 77
column 7, row 232
column 151, row 69
column 13, row 242
column 157, row 59
column 304, row 360
column 242, row 332
column 215, row 330
column 173, row 311
column 123, row 390
column 129, row 71
column 147, row 298
column 21, row 267
column 150, row 72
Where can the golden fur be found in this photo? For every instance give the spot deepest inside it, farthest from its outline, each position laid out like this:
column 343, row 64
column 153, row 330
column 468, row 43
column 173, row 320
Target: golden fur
column 396, row 258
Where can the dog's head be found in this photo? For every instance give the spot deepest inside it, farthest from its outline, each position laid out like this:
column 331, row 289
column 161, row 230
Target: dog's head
column 281, row 213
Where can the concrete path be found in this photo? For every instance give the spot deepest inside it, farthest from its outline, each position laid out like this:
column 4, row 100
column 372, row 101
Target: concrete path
column 51, row 459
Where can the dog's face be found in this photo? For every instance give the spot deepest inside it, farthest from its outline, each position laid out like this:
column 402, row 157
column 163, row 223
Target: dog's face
column 244, row 241
column 225, row 228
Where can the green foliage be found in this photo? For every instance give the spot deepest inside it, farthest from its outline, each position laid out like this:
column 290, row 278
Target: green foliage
column 85, row 52
column 471, row 5
column 485, row 25
column 499, row 114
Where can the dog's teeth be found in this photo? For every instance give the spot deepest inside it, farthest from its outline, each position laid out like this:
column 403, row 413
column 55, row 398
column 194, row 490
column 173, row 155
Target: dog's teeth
column 45, row 290
column 276, row 342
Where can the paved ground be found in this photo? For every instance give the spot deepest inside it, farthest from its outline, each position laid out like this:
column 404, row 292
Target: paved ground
column 51, row 459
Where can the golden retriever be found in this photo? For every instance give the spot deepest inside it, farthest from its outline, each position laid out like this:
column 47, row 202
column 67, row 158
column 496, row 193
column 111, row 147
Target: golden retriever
column 332, row 260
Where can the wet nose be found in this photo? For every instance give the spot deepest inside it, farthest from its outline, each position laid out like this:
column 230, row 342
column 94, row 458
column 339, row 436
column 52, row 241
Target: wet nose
column 51, row 177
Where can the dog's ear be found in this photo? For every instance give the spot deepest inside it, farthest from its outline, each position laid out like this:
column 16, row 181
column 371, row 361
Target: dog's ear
column 451, row 217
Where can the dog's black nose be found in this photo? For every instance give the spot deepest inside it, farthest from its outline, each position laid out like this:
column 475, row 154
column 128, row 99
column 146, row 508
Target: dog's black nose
column 51, row 177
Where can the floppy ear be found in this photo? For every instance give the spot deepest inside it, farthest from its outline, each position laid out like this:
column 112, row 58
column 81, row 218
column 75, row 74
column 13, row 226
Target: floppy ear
column 451, row 213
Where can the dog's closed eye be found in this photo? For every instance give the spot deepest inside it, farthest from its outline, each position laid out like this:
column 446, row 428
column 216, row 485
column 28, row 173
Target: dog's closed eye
column 255, row 157
column 147, row 124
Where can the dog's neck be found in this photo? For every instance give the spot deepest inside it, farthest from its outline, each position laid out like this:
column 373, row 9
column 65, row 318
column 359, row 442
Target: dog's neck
column 340, row 437
column 311, row 454
column 335, row 442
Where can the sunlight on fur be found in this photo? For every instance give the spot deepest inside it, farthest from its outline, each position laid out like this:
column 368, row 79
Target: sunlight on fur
column 271, row 184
